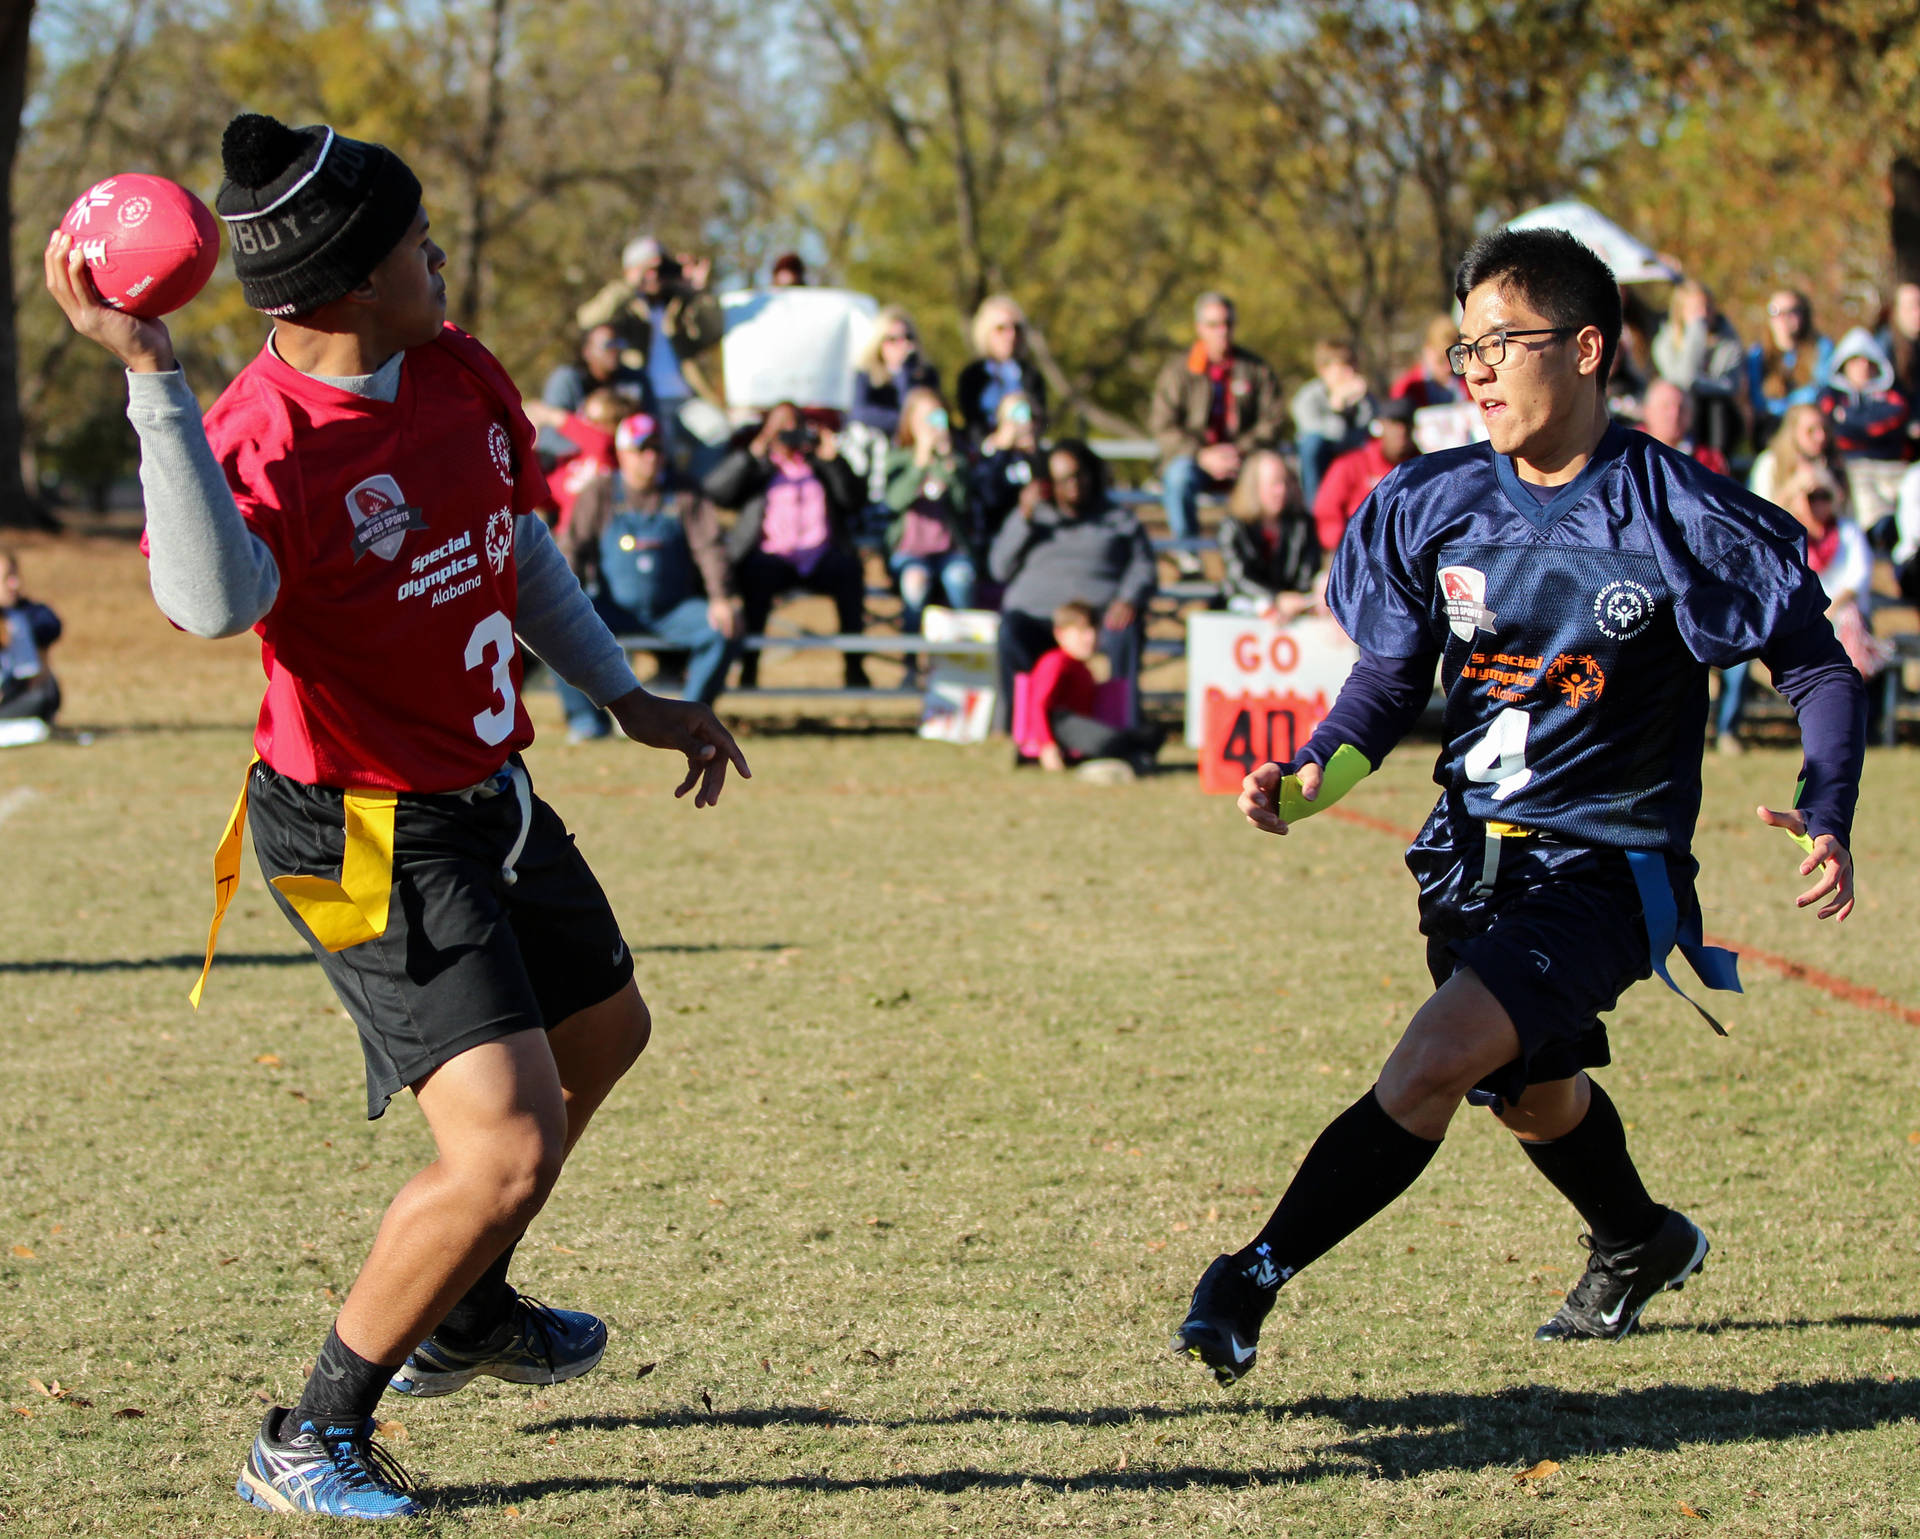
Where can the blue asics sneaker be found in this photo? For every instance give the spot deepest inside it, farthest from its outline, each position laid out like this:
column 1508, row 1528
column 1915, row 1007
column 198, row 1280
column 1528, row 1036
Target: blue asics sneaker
column 339, row 1472
column 533, row 1345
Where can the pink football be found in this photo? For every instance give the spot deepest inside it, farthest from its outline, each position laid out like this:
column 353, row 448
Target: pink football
column 150, row 245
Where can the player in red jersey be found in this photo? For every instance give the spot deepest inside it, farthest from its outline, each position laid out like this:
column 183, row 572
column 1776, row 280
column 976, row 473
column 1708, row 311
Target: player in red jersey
column 361, row 496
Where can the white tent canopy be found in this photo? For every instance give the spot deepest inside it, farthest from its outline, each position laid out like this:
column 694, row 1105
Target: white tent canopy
column 1632, row 259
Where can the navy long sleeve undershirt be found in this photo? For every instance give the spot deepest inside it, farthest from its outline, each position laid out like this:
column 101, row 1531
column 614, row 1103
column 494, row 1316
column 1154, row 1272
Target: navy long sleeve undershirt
column 1384, row 696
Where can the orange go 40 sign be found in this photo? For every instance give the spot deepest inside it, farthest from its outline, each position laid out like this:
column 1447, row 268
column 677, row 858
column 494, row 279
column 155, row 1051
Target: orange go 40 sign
column 1256, row 690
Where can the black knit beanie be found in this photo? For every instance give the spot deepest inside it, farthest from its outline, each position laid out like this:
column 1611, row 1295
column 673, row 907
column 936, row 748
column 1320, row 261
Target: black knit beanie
column 309, row 213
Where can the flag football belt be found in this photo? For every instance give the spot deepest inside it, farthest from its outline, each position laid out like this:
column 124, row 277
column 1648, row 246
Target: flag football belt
column 1715, row 966
column 354, row 909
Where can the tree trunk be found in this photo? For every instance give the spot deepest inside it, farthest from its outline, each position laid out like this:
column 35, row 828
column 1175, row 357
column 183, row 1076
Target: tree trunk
column 19, row 506
column 471, row 299
column 1906, row 219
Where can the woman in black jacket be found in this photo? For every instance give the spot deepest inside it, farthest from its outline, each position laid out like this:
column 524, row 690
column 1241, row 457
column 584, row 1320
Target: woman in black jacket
column 1268, row 543
column 1004, row 367
column 799, row 503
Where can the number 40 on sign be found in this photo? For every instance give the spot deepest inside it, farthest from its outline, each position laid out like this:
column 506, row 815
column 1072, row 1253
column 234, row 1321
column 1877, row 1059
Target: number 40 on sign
column 1242, row 731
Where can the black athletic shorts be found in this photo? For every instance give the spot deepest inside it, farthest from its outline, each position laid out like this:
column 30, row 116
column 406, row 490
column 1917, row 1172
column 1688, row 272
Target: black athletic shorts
column 1557, row 937
column 467, row 956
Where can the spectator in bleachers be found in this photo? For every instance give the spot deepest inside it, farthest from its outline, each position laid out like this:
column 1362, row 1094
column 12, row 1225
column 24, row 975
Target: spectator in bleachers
column 598, row 367
column 1789, row 366
column 667, row 322
column 799, row 504
column 1697, row 349
column 1803, row 437
column 1838, row 552
column 1268, row 544
column 1332, row 411
column 1002, row 366
column 1429, row 379
column 1075, row 545
column 1351, row 477
column 1666, row 413
column 789, row 271
column 1005, row 467
column 1869, row 417
column 1064, row 697
column 1213, row 405
column 655, row 564
column 583, row 443
column 929, row 543
column 889, row 369
column 28, row 689
column 1900, row 341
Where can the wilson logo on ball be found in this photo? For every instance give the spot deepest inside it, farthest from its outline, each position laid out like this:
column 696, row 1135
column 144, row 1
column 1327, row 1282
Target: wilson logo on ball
column 149, row 244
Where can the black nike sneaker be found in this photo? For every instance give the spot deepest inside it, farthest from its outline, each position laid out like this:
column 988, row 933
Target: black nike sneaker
column 1222, row 1328
column 1618, row 1284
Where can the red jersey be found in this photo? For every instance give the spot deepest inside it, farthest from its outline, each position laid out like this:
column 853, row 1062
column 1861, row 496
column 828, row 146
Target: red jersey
column 593, row 458
column 1060, row 682
column 389, row 650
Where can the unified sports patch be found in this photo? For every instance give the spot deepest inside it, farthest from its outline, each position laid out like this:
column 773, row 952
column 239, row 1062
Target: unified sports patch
column 1463, row 590
column 381, row 517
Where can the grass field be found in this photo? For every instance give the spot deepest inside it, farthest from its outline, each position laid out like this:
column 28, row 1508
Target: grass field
column 959, row 1079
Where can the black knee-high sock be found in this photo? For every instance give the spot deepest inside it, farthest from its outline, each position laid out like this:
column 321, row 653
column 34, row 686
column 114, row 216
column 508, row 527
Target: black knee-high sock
column 342, row 1390
column 1359, row 1164
column 478, row 1312
column 1591, row 1168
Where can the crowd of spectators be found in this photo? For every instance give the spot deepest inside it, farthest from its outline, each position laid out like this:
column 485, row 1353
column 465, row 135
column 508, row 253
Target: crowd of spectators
column 693, row 536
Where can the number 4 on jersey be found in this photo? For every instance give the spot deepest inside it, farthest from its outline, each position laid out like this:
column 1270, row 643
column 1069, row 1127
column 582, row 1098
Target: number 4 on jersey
column 1500, row 758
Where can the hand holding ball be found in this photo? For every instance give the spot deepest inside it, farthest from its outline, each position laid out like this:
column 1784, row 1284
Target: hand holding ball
column 150, row 245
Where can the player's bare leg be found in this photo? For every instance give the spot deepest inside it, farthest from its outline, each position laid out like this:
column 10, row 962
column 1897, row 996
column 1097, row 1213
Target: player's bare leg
column 488, row 1327
column 499, row 1122
column 594, row 1048
column 1571, row 1131
column 1458, row 1037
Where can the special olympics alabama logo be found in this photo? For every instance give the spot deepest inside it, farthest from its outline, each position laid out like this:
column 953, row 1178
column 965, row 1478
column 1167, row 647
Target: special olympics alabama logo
column 500, row 450
column 1578, row 678
column 1622, row 609
column 133, row 213
column 500, row 538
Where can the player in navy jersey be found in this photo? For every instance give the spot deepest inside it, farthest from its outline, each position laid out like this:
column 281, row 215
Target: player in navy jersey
column 1573, row 582
column 363, row 496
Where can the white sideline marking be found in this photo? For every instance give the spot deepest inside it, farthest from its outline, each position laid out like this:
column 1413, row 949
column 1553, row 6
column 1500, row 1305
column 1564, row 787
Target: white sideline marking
column 14, row 800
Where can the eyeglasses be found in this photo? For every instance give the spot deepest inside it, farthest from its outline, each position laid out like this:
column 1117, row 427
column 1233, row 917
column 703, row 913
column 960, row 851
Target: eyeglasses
column 1492, row 348
column 1792, row 308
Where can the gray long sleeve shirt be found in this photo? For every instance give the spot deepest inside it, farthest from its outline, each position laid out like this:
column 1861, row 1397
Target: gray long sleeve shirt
column 212, row 576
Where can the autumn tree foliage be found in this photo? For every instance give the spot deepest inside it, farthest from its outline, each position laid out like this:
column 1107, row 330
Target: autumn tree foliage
column 1104, row 160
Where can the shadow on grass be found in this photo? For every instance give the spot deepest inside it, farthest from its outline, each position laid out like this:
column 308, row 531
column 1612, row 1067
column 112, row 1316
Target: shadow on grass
column 182, row 961
column 190, row 961
column 1394, row 1437
column 1835, row 1322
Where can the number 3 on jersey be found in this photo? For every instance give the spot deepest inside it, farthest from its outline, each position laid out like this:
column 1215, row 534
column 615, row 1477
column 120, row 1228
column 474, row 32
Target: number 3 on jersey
column 495, row 634
column 1500, row 758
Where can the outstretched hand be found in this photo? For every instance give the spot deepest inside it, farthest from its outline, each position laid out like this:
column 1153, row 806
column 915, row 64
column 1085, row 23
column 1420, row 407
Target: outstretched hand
column 144, row 346
column 1826, row 855
column 1260, row 794
column 688, row 727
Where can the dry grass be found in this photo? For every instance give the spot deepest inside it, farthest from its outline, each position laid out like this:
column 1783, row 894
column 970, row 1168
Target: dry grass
column 960, row 1078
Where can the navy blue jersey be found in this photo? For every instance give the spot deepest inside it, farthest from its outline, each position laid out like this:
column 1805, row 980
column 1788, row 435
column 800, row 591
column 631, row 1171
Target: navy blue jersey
column 1574, row 635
